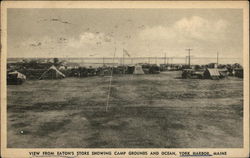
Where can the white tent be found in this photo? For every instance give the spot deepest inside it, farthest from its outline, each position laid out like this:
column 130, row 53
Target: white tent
column 211, row 73
column 52, row 73
column 138, row 70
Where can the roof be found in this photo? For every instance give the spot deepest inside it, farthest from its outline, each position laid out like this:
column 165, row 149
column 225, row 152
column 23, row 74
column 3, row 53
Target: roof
column 71, row 64
column 189, row 70
column 214, row 72
column 220, row 70
column 55, row 69
column 238, row 69
column 138, row 70
column 14, row 72
column 19, row 75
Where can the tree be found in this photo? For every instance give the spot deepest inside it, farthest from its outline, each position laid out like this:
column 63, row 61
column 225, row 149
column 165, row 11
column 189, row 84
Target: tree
column 56, row 60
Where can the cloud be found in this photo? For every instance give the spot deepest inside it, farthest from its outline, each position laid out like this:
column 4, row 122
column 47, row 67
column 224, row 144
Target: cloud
column 195, row 32
column 86, row 39
column 45, row 42
column 90, row 39
column 157, row 32
column 199, row 28
column 36, row 44
column 55, row 20
column 187, row 29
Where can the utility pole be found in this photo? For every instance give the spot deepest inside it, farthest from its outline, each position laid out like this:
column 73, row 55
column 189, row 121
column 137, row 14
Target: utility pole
column 165, row 59
column 123, row 59
column 217, row 58
column 123, row 66
column 189, row 50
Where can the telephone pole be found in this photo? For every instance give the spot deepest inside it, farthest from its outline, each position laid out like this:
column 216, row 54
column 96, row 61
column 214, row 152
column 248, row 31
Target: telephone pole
column 189, row 50
column 165, row 59
column 217, row 58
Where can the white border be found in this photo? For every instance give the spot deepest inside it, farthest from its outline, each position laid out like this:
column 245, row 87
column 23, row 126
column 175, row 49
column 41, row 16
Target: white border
column 232, row 152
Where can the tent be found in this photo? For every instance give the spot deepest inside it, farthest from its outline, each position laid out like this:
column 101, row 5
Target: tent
column 154, row 69
column 15, row 78
column 106, row 71
column 192, row 74
column 212, row 73
column 130, row 69
column 138, row 70
column 223, row 73
column 52, row 73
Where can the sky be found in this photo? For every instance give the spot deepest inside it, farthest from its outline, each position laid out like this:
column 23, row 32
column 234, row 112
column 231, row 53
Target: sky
column 140, row 32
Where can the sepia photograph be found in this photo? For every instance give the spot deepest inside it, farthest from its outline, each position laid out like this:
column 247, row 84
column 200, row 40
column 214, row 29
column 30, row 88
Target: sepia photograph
column 125, row 78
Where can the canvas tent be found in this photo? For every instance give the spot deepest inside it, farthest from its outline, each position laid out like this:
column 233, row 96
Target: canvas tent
column 15, row 78
column 52, row 73
column 212, row 74
column 192, row 74
column 138, row 70
column 223, row 73
column 154, row 69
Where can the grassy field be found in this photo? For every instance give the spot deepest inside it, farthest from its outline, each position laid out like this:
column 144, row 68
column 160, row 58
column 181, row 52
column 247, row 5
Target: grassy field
column 146, row 111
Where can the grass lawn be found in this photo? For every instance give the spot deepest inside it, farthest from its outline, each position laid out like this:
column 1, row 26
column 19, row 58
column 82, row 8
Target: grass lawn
column 145, row 111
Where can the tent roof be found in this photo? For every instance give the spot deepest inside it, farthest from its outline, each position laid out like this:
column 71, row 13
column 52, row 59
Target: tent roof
column 19, row 75
column 54, row 68
column 138, row 70
column 214, row 72
column 14, row 72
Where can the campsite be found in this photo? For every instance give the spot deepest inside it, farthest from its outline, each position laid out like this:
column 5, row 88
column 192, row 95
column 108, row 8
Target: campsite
column 118, row 77
column 145, row 111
